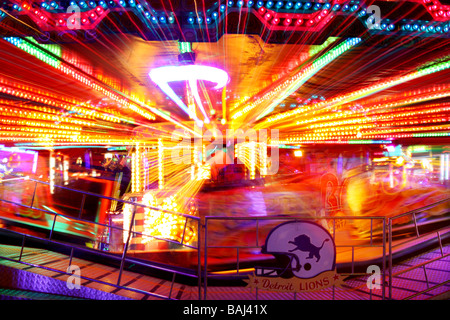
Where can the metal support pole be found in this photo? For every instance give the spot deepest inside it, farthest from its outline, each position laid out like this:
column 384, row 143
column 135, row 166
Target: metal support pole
column 53, row 227
column 205, row 278
column 124, row 253
column 383, row 295
column 171, row 285
column 184, row 230
column 415, row 224
column 353, row 259
column 371, row 232
column 257, row 232
column 390, row 258
column 426, row 276
column 82, row 205
column 199, row 259
column 21, row 249
column 71, row 256
column 334, row 229
column 440, row 243
column 34, row 194
column 237, row 260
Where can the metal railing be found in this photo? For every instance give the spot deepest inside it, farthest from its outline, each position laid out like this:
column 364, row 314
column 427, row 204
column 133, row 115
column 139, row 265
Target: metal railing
column 123, row 259
column 384, row 230
column 429, row 236
column 387, row 245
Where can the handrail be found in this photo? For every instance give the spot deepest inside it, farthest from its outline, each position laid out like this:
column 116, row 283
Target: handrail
column 105, row 225
column 100, row 253
column 203, row 224
column 123, row 259
column 387, row 223
column 119, row 200
column 390, row 244
column 427, row 290
column 421, row 264
column 421, row 209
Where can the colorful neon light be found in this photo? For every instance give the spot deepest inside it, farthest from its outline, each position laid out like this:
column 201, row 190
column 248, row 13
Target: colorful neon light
column 356, row 95
column 310, row 16
column 51, row 55
column 53, row 58
column 191, row 73
column 290, row 85
column 161, row 220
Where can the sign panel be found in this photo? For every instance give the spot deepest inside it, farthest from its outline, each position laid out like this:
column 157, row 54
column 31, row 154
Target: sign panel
column 306, row 259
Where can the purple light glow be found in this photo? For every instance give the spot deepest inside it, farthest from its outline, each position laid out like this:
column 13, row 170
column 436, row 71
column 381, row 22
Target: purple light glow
column 191, row 73
column 15, row 160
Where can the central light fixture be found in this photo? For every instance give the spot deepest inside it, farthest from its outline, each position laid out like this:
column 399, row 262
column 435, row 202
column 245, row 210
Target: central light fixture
column 191, row 73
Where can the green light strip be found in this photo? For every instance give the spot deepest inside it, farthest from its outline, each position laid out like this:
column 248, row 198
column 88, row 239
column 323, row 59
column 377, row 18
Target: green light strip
column 185, row 47
column 27, row 46
column 317, row 48
column 34, row 50
column 317, row 64
column 431, row 134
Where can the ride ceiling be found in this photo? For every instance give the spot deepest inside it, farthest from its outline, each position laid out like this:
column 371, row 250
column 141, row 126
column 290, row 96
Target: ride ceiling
column 320, row 72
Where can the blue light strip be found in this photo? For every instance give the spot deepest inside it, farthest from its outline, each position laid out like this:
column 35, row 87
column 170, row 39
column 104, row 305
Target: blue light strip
column 163, row 19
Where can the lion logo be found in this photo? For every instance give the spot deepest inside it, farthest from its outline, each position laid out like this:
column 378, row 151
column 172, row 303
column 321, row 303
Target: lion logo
column 303, row 243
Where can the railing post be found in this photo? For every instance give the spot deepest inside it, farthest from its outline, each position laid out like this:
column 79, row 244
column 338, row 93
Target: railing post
column 171, row 285
column 79, row 216
column 440, row 243
column 205, row 277
column 53, row 227
column 334, row 229
column 415, row 224
column 21, row 249
column 371, row 231
column 124, row 253
column 257, row 232
column 184, row 230
column 71, row 256
column 199, row 258
column 237, row 262
column 82, row 205
column 383, row 295
column 34, row 193
column 390, row 258
column 353, row 259
column 426, row 276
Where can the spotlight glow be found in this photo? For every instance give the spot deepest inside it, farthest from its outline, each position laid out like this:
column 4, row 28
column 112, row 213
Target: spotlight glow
column 191, row 73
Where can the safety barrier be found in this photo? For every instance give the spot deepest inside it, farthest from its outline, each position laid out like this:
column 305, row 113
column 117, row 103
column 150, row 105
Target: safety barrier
column 123, row 259
column 429, row 236
column 378, row 236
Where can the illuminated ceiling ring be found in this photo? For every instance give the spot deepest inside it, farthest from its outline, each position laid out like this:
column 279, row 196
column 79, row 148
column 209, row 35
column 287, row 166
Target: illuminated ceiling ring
column 191, row 73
